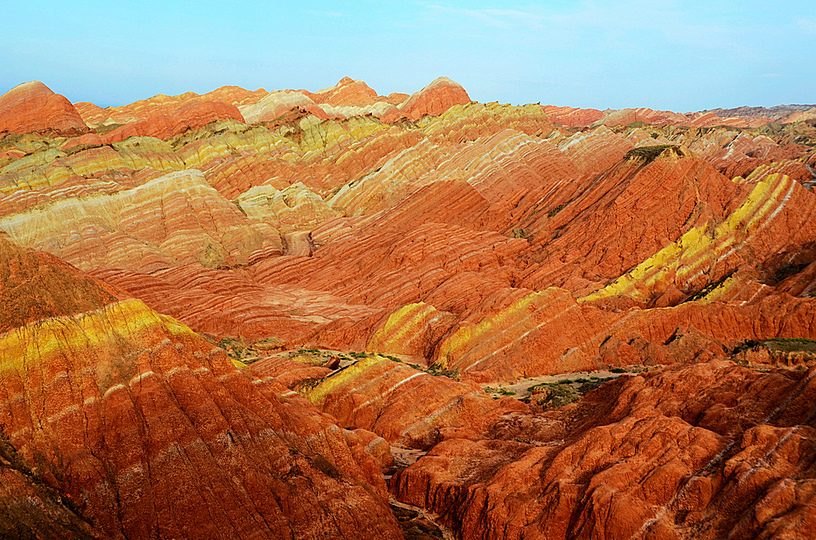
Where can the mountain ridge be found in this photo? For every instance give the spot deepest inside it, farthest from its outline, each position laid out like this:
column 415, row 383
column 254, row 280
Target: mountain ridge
column 252, row 313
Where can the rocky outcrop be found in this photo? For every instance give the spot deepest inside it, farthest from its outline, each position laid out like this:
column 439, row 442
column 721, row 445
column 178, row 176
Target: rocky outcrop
column 716, row 251
column 36, row 285
column 572, row 117
column 294, row 207
column 235, row 95
column 350, row 98
column 176, row 218
column 595, row 151
column 671, row 193
column 149, row 431
column 742, row 117
column 434, row 99
column 275, row 104
column 29, row 508
column 706, row 451
column 374, row 394
column 346, row 92
column 762, row 115
column 51, row 175
column 222, row 302
column 623, row 117
column 190, row 106
column 187, row 117
column 32, row 106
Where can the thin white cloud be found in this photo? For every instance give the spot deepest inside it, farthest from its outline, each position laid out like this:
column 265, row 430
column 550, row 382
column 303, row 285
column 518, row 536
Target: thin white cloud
column 808, row 25
column 608, row 24
column 497, row 18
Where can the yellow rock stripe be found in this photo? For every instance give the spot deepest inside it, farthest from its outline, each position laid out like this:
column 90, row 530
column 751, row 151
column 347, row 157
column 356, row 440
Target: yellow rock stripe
column 403, row 326
column 701, row 247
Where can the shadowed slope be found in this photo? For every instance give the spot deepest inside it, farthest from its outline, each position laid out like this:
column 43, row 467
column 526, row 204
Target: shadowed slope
column 35, row 285
column 482, row 243
column 153, row 432
column 705, row 451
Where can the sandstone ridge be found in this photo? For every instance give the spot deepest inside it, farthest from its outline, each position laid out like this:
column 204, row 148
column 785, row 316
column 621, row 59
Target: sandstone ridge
column 341, row 314
column 32, row 106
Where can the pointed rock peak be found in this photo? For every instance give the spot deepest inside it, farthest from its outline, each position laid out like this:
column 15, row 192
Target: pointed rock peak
column 30, row 87
column 443, row 81
column 434, row 99
column 344, row 83
column 347, row 91
column 32, row 106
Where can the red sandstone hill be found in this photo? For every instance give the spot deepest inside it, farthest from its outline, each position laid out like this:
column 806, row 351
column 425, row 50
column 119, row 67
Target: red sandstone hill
column 435, row 99
column 126, row 418
column 36, row 285
column 345, row 92
column 741, row 117
column 241, row 313
column 705, row 451
column 32, row 106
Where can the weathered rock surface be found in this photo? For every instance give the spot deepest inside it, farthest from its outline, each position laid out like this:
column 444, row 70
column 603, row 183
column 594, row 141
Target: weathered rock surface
column 459, row 244
column 275, row 104
column 223, row 99
column 706, row 451
column 186, row 117
column 29, row 508
column 404, row 405
column 32, row 106
column 152, row 432
column 294, row 207
column 779, row 113
column 36, row 285
column 434, row 99
column 346, row 92
column 572, row 117
column 222, row 302
column 174, row 219
column 742, row 117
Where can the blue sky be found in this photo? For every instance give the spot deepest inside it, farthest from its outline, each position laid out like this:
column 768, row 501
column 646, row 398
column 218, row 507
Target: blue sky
column 674, row 55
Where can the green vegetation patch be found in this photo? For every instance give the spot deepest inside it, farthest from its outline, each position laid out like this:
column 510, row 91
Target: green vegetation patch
column 437, row 372
column 650, row 153
column 500, row 391
column 554, row 395
column 557, row 394
column 246, row 350
column 554, row 211
column 791, row 344
column 778, row 344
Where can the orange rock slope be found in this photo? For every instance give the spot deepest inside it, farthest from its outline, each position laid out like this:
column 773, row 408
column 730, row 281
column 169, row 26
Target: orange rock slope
column 705, row 451
column 213, row 298
column 32, row 106
column 150, row 432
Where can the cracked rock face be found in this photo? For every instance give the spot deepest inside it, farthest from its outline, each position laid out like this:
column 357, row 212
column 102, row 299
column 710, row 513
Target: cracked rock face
column 705, row 451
